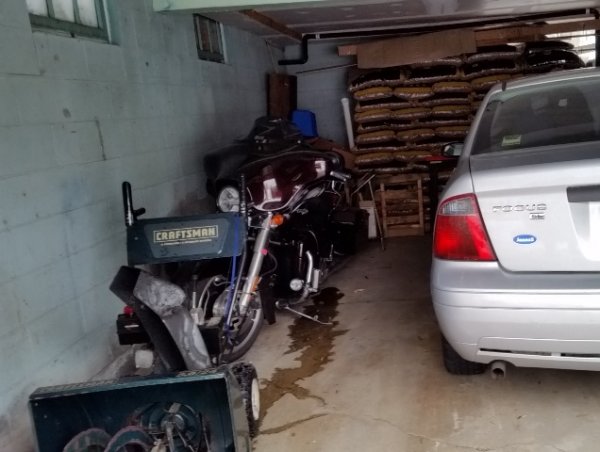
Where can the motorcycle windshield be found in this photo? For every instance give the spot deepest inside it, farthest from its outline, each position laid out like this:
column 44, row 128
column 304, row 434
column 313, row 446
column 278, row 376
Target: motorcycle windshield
column 276, row 184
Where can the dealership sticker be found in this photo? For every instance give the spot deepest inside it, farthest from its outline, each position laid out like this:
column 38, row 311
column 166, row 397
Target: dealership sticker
column 511, row 140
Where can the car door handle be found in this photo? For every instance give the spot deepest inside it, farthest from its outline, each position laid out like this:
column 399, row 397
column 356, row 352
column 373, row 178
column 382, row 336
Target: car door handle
column 586, row 193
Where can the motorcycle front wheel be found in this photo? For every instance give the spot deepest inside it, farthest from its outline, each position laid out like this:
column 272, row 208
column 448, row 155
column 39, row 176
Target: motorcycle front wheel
column 244, row 333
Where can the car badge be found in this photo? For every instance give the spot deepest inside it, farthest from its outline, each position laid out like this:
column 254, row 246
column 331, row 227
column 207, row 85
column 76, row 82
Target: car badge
column 524, row 239
column 537, row 216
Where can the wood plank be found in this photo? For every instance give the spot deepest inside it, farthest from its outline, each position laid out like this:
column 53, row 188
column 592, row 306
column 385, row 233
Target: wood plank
column 489, row 36
column 402, row 210
column 532, row 32
column 272, row 24
column 383, row 210
column 404, row 220
column 397, row 195
column 439, row 40
column 400, row 179
column 413, row 49
column 404, row 231
column 348, row 50
column 281, row 95
column 421, row 213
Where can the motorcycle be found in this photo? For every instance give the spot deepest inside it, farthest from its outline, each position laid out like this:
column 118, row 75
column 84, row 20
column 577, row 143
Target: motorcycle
column 302, row 191
column 283, row 224
column 209, row 281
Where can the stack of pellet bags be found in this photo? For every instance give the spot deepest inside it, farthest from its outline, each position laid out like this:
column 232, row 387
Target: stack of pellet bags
column 404, row 115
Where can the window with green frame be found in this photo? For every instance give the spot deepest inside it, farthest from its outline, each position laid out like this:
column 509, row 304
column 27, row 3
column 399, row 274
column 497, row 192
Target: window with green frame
column 76, row 17
column 209, row 39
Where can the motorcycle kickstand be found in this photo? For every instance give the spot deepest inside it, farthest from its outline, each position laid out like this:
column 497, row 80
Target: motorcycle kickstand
column 306, row 316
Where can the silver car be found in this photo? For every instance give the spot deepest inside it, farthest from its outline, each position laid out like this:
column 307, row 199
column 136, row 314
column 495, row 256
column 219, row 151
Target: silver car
column 516, row 260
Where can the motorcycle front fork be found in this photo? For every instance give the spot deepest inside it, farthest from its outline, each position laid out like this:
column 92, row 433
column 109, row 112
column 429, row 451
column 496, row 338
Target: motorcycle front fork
column 258, row 256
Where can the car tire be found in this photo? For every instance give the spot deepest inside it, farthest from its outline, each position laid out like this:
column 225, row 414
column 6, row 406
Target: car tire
column 456, row 364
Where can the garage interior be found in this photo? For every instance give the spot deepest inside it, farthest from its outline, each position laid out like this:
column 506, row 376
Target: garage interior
column 82, row 113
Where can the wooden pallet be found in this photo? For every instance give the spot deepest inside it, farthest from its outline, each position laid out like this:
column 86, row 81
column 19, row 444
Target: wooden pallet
column 401, row 205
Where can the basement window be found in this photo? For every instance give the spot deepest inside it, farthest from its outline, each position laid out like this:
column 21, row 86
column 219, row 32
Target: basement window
column 209, row 39
column 75, row 17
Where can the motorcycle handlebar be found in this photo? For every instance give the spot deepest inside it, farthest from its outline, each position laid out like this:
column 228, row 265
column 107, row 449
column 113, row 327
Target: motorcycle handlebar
column 344, row 177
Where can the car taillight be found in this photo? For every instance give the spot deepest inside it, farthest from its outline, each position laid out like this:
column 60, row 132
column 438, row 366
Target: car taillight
column 128, row 310
column 459, row 232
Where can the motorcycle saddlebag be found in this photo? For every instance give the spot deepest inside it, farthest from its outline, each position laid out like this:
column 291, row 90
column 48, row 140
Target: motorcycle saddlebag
column 350, row 229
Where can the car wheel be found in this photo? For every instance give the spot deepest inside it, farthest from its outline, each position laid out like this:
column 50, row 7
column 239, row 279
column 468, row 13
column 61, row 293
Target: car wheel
column 456, row 364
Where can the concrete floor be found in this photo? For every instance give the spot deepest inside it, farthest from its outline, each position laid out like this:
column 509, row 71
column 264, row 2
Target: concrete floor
column 374, row 381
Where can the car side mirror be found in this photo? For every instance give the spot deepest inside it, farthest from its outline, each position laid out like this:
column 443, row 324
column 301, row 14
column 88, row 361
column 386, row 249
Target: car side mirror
column 453, row 149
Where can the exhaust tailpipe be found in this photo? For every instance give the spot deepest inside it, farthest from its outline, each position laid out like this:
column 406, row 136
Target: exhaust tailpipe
column 498, row 370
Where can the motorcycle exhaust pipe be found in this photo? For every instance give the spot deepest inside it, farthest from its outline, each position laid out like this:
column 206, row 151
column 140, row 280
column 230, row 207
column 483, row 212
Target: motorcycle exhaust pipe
column 498, row 370
column 309, row 275
column 315, row 280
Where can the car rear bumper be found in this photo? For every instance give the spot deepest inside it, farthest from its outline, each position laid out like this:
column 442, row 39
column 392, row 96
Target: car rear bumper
column 526, row 320
column 524, row 337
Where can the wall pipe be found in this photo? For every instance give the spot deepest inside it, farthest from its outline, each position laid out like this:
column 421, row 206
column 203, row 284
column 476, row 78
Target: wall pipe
column 303, row 52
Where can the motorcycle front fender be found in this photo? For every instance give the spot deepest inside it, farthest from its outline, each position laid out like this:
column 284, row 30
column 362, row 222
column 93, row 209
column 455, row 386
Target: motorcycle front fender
column 267, row 300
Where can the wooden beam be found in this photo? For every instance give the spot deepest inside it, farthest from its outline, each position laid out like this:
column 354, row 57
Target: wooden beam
column 502, row 35
column 532, row 32
column 347, row 50
column 412, row 49
column 272, row 24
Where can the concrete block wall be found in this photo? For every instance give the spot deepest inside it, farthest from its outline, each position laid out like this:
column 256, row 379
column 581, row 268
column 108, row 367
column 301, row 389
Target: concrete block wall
column 321, row 91
column 77, row 117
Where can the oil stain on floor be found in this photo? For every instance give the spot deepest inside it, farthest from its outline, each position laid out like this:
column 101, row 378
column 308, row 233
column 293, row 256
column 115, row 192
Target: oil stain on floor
column 315, row 343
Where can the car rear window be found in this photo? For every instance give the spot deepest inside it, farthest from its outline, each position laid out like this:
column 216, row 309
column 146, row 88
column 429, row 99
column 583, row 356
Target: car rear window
column 561, row 112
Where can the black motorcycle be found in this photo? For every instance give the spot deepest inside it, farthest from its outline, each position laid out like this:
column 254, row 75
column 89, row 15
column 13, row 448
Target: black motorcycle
column 303, row 191
column 283, row 223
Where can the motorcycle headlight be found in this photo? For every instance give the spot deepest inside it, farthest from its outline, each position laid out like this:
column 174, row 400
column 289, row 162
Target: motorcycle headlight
column 229, row 199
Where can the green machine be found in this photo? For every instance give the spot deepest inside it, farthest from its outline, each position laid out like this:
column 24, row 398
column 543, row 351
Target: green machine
column 194, row 401
column 189, row 411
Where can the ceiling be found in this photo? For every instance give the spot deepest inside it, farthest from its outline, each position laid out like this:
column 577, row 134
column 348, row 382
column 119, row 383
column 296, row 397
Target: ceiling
column 326, row 16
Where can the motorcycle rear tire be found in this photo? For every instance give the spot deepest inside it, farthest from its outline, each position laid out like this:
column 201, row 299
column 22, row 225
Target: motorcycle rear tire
column 248, row 336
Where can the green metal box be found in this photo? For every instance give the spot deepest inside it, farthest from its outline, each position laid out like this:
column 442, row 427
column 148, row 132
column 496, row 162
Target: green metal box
column 211, row 398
